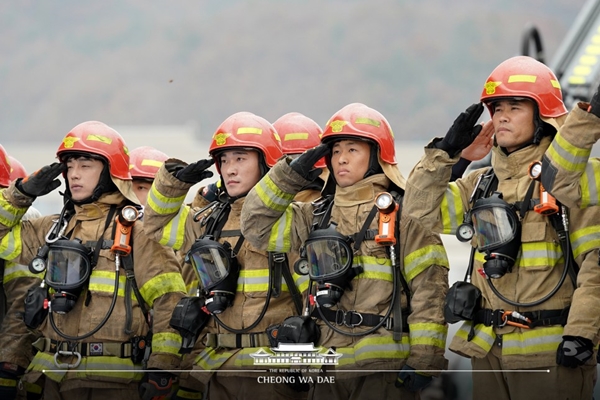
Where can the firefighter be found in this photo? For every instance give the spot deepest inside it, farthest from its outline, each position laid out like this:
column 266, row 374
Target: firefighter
column 243, row 290
column 526, row 307
column 299, row 133
column 92, row 307
column 144, row 163
column 360, row 294
column 16, row 351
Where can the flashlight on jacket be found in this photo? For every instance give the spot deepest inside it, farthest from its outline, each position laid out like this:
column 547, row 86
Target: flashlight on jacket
column 388, row 208
column 547, row 204
column 123, row 226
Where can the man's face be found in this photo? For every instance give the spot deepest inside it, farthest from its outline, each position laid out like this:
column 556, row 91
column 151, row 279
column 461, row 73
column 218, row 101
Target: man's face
column 141, row 187
column 350, row 161
column 83, row 175
column 240, row 171
column 513, row 123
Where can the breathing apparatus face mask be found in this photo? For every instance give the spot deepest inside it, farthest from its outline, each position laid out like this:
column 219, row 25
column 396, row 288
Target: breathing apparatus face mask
column 329, row 258
column 497, row 232
column 218, row 271
column 68, row 270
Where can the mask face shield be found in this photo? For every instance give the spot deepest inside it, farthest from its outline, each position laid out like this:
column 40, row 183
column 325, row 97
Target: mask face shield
column 495, row 223
column 328, row 253
column 211, row 261
column 69, row 265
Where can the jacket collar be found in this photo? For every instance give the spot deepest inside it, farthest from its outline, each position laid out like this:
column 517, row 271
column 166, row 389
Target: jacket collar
column 516, row 164
column 362, row 191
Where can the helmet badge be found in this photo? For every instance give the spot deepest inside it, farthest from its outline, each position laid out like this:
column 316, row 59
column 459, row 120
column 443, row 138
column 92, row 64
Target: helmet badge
column 69, row 141
column 490, row 87
column 221, row 138
column 337, row 125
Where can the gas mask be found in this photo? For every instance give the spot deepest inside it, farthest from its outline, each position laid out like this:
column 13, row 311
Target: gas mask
column 68, row 269
column 498, row 234
column 217, row 269
column 329, row 263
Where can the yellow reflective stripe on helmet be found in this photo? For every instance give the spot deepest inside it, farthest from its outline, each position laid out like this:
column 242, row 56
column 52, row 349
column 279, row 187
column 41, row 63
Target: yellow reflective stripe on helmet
column 15, row 271
column 381, row 347
column 418, row 261
column 584, row 240
column 567, row 156
column 11, row 245
column 451, row 209
column 279, row 240
column 166, row 342
column 211, row 358
column 484, row 335
column 271, row 196
column 104, row 281
column 256, row 280
column 374, row 268
column 174, row 232
column 162, row 284
column 429, row 334
column 532, row 341
column 151, row 163
column 522, row 78
column 9, row 214
column 295, row 136
column 249, row 130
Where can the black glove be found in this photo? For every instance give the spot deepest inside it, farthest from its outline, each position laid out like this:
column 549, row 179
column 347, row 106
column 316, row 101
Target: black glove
column 191, row 173
column 411, row 380
column 595, row 103
column 304, row 165
column 574, row 351
column 156, row 385
column 42, row 181
column 462, row 132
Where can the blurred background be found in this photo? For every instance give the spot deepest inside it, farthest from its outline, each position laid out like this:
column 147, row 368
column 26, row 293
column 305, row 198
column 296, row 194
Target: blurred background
column 167, row 73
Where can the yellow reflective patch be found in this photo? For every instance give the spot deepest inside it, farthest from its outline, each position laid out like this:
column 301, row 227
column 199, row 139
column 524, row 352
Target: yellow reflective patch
column 555, row 83
column 249, row 130
column 368, row 121
column 295, row 136
column 152, row 163
column 98, row 138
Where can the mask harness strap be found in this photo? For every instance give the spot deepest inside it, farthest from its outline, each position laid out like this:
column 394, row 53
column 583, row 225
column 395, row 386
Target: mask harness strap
column 109, row 219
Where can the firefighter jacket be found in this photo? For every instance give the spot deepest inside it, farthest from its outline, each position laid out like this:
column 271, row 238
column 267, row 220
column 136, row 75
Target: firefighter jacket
column 537, row 269
column 172, row 223
column 158, row 280
column 16, row 338
column 273, row 221
column 568, row 172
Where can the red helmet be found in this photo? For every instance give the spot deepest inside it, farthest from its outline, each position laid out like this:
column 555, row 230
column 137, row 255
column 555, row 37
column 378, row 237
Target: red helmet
column 17, row 170
column 244, row 129
column 361, row 121
column 97, row 138
column 145, row 161
column 298, row 133
column 524, row 76
column 4, row 168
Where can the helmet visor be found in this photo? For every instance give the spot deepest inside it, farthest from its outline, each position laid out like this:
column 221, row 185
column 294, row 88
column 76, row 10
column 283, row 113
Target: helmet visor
column 328, row 258
column 494, row 226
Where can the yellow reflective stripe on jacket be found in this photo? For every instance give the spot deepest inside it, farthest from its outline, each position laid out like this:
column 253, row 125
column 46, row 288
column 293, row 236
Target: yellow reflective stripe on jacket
column 451, row 209
column 429, row 334
column 166, row 342
column 256, row 280
column 381, row 347
column 272, row 196
column 96, row 366
column 484, row 335
column 211, row 358
column 279, row 240
column 174, row 232
column 301, row 281
column 8, row 382
column 162, row 204
column 534, row 255
column 418, row 261
column 14, row 271
column 104, row 281
column 585, row 239
column 161, row 284
column 9, row 214
column 192, row 288
column 590, row 184
column 11, row 245
column 374, row 268
column 533, row 341
column 567, row 156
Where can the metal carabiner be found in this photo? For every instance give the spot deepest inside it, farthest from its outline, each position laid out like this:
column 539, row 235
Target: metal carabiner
column 67, row 353
column 516, row 315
